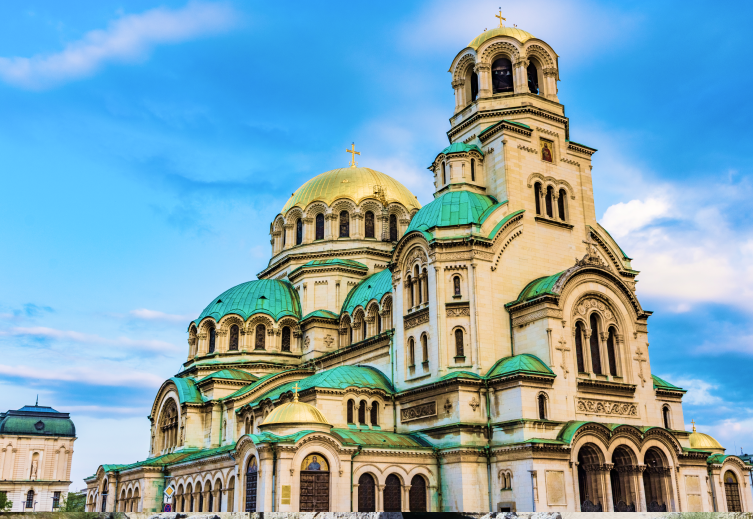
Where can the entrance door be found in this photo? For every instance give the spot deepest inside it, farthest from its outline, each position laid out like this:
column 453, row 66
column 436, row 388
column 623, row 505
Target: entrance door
column 366, row 493
column 252, row 476
column 732, row 492
column 314, row 484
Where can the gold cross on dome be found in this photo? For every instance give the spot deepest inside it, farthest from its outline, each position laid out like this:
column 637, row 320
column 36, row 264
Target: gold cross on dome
column 295, row 392
column 693, row 422
column 353, row 154
column 500, row 17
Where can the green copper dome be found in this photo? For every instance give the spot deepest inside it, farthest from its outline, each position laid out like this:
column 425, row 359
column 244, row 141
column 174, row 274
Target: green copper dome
column 373, row 287
column 453, row 208
column 517, row 364
column 37, row 420
column 264, row 296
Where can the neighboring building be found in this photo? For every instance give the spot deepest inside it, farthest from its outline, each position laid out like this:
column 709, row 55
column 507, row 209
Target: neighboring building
column 486, row 351
column 35, row 460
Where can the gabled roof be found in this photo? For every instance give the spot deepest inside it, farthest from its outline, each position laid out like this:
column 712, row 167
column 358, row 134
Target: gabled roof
column 335, row 262
column 262, row 296
column 231, row 374
column 187, row 390
column 460, row 147
column 381, row 439
column 517, row 364
column 461, row 374
column 245, row 389
column 538, row 287
column 325, row 314
column 373, row 287
column 170, row 459
column 341, row 377
column 660, row 383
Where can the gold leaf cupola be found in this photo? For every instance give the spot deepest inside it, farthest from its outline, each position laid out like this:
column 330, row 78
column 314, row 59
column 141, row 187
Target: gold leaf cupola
column 295, row 415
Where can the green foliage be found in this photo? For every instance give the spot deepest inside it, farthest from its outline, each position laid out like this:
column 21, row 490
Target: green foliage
column 5, row 504
column 73, row 502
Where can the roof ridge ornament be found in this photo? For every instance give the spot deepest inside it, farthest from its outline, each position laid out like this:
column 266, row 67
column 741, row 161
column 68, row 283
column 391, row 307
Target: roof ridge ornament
column 295, row 392
column 353, row 154
column 693, row 422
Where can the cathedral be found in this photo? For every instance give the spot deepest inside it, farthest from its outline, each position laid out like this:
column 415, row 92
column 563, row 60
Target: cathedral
column 484, row 352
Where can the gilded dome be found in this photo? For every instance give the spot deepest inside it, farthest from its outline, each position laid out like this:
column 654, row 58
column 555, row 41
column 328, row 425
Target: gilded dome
column 295, row 412
column 355, row 184
column 519, row 34
column 703, row 441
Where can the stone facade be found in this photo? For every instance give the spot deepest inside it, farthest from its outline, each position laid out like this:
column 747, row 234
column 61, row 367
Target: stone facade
column 485, row 352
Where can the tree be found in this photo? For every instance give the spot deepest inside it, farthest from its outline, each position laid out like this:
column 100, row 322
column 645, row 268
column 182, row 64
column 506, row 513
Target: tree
column 5, row 504
column 73, row 502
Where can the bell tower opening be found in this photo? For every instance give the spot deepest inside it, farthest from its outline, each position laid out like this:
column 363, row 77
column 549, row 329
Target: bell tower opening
column 533, row 78
column 502, row 76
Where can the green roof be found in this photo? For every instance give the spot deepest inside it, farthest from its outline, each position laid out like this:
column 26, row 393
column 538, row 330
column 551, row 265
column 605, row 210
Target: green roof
column 538, row 287
column 37, row 421
column 373, row 287
column 245, row 389
column 321, row 313
column 187, row 390
column 341, row 377
column 523, row 363
column 231, row 374
column 624, row 256
column 171, row 459
column 460, row 374
column 453, row 208
column 268, row 437
column 717, row 459
column 381, row 439
column 461, row 147
column 503, row 221
column 660, row 383
column 263, row 296
column 331, row 263
column 502, row 122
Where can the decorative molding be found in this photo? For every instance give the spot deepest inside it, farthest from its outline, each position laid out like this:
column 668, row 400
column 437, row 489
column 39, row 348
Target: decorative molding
column 419, row 411
column 526, row 148
column 604, row 386
column 418, row 318
column 606, row 407
column 459, row 311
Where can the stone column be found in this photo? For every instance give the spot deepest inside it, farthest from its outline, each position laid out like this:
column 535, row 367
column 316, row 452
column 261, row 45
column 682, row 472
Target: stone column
column 576, row 486
column 641, row 489
column 550, row 84
column 406, row 498
column 483, row 71
column 355, row 497
column 329, row 225
column 214, row 440
column 379, row 501
column 520, row 77
column 459, row 94
column 441, row 316
column 603, row 336
column 473, row 328
column 357, row 226
column 309, row 232
column 608, row 482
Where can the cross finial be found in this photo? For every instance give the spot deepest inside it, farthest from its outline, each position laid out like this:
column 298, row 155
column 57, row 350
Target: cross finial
column 693, row 422
column 590, row 244
column 500, row 17
column 37, row 404
column 295, row 392
column 353, row 154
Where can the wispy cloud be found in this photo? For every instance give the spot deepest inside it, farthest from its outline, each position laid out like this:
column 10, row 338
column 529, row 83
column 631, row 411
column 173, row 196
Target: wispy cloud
column 699, row 391
column 155, row 315
column 94, row 375
column 85, row 338
column 129, row 38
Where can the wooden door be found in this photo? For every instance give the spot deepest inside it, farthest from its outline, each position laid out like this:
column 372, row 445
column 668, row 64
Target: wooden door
column 314, row 491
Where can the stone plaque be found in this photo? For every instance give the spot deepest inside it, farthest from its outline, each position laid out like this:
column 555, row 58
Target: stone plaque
column 694, row 503
column 692, row 484
column 285, row 496
column 418, row 411
column 555, row 487
column 606, row 407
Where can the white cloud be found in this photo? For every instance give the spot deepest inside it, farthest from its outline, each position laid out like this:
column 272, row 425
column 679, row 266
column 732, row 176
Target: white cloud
column 699, row 391
column 623, row 218
column 156, row 315
column 85, row 338
column 114, row 375
column 129, row 38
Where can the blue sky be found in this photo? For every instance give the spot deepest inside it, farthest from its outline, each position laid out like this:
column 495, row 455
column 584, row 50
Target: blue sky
column 144, row 149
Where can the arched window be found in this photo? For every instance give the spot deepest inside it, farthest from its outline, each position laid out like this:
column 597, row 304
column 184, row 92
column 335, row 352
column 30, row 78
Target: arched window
column 234, row 338
column 444, row 174
column 30, row 500
column 344, row 224
column 533, row 78
column 285, row 338
column 362, row 412
column 561, row 204
column 393, row 227
column 549, row 200
column 665, row 415
column 261, row 337
column 501, row 76
column 419, row 292
column 537, row 194
column 189, row 493
column 456, row 286
column 319, row 226
column 368, row 222
column 298, row 231
column 459, row 348
column 378, row 322
column 732, row 492
column 409, row 288
column 542, row 407
column 212, row 339
column 284, row 235
column 595, row 352
column 374, row 413
column 474, row 86
column 351, row 408
column 417, row 494
column 393, row 494
column 350, row 334
column 425, row 348
column 363, row 328
column 252, row 477
column 366, row 493
column 611, row 354
column 411, row 352
column 473, row 170
column 579, row 334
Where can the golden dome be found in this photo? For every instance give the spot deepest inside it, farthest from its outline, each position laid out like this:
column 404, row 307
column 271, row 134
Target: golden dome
column 295, row 412
column 703, row 441
column 519, row 34
column 355, row 184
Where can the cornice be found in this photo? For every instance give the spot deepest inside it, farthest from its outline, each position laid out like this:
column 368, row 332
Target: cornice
column 323, row 270
column 376, row 340
column 506, row 112
column 606, row 387
column 274, row 268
